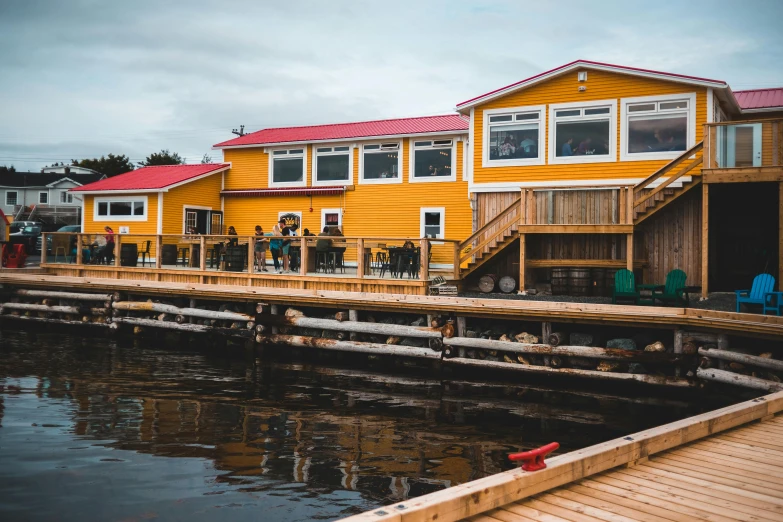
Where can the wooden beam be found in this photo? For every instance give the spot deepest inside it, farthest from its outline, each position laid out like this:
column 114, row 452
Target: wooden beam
column 359, row 258
column 744, row 175
column 304, row 255
column 576, row 229
column 117, row 249
column 671, row 179
column 590, row 263
column 456, row 262
column 705, row 238
column 79, row 254
column 251, row 254
column 158, row 251
column 521, row 217
column 424, row 260
column 522, row 249
column 629, row 251
column 629, row 206
column 622, row 201
column 203, row 254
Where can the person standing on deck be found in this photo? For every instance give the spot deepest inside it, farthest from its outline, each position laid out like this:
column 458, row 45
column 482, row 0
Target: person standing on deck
column 275, row 246
column 260, row 249
column 286, row 245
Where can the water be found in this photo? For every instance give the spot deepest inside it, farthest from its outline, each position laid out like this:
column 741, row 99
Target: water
column 94, row 429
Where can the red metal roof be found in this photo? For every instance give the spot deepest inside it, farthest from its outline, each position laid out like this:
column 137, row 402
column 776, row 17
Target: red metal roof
column 285, row 191
column 153, row 178
column 760, row 98
column 588, row 63
column 363, row 129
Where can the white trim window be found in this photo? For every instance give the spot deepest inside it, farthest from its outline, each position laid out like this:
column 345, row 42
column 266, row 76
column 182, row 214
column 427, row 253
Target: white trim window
column 432, row 160
column 288, row 167
column 583, row 132
column 43, row 198
column 432, row 222
column 120, row 208
column 11, row 198
column 332, row 218
column 657, row 127
column 514, row 136
column 66, row 197
column 332, row 165
column 381, row 162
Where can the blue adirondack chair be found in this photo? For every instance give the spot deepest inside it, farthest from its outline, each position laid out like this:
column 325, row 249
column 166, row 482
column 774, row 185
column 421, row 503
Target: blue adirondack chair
column 762, row 284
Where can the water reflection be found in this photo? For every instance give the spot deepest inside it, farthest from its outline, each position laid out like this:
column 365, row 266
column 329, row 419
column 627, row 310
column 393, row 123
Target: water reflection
column 109, row 432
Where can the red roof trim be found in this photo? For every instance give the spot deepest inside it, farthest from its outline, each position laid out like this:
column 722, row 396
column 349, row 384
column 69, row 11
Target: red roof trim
column 154, row 178
column 769, row 99
column 291, row 191
column 589, row 63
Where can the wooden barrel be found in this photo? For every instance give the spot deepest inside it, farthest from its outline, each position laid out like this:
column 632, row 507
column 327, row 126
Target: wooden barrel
column 487, row 283
column 129, row 254
column 235, row 259
column 597, row 283
column 579, row 281
column 609, row 280
column 169, row 255
column 559, row 281
column 507, row 284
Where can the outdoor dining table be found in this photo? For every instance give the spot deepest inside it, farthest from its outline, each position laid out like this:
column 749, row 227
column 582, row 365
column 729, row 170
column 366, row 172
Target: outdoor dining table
column 401, row 258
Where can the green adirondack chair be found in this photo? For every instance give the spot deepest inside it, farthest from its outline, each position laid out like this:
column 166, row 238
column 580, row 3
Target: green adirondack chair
column 625, row 286
column 673, row 291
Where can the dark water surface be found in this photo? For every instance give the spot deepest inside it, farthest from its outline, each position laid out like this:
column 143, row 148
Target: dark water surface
column 94, row 429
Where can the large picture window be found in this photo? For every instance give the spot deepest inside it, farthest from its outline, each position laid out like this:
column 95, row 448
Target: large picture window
column 583, row 133
column 127, row 209
column 381, row 163
column 433, row 160
column 332, row 165
column 656, row 128
column 513, row 136
column 288, row 167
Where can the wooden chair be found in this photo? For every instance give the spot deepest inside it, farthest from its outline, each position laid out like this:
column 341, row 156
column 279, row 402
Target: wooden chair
column 674, row 289
column 762, row 284
column 145, row 252
column 625, row 286
column 773, row 301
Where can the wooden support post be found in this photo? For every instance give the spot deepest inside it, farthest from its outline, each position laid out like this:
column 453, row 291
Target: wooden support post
column 629, row 195
column 424, row 261
column 251, row 254
column 461, row 326
column 629, row 252
column 521, row 217
column 158, row 251
column 705, row 238
column 117, row 249
column 274, row 311
column 43, row 247
column 621, row 203
column 546, row 331
column 353, row 316
column 202, row 263
column 780, row 235
column 678, row 340
column 456, row 266
column 191, row 304
column 79, row 253
column 531, row 207
column 522, row 249
column 303, row 257
column 360, row 258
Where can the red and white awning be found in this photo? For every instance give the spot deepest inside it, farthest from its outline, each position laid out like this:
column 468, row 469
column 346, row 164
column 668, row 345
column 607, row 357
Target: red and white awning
column 285, row 191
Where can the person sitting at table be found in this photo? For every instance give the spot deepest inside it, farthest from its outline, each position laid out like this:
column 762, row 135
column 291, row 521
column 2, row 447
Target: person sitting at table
column 85, row 250
column 233, row 241
column 306, row 233
column 105, row 246
column 260, row 249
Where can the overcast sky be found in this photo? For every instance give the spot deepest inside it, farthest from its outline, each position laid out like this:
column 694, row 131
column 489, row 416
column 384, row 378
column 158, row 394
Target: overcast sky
column 83, row 78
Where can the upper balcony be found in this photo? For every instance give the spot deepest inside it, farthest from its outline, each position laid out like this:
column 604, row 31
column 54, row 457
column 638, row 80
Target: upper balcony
column 743, row 151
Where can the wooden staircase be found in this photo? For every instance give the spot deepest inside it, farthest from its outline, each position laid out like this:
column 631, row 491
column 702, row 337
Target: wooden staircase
column 491, row 239
column 649, row 201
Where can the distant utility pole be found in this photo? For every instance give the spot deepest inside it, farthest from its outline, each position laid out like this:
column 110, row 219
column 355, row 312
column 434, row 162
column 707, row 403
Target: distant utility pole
column 240, row 132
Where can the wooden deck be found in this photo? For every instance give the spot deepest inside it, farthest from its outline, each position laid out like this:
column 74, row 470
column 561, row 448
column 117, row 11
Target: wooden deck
column 718, row 466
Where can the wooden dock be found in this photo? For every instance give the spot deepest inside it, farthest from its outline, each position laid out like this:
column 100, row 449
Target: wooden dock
column 718, row 466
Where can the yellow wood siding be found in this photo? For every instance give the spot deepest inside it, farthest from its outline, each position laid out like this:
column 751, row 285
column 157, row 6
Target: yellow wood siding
column 391, row 210
column 136, row 227
column 201, row 193
column 564, row 89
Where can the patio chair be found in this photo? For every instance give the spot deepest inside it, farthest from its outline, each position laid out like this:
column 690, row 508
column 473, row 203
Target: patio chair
column 673, row 291
column 625, row 286
column 762, row 284
column 773, row 301
column 145, row 253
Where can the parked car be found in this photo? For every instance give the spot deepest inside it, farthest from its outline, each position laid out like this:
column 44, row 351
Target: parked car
column 27, row 236
column 16, row 226
column 66, row 228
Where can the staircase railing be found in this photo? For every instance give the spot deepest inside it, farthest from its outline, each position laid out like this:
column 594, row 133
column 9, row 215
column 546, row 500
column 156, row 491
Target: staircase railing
column 467, row 249
column 666, row 169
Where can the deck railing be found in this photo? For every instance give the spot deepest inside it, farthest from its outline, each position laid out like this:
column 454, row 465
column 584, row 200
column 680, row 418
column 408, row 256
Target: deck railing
column 750, row 144
column 337, row 256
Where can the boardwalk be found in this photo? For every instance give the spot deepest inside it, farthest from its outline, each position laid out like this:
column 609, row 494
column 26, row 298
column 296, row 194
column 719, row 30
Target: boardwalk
column 718, row 466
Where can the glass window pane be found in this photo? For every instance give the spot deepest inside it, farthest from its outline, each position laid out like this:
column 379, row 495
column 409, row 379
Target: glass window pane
column 529, row 116
column 138, row 208
column 442, row 143
column 582, row 138
column 572, row 112
column 422, row 143
column 602, row 110
column 287, row 170
column 332, row 168
column 103, row 209
column 324, row 149
column 665, row 106
column 372, row 147
column 504, row 117
column 513, row 141
column 43, row 197
column 388, row 146
column 341, row 149
column 381, row 165
column 120, row 208
column 657, row 134
column 280, row 152
column 296, row 151
column 433, row 162
column 641, row 107
column 432, row 219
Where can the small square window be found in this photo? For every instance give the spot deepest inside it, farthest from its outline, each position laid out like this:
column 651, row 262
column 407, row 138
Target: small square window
column 43, row 197
column 11, row 197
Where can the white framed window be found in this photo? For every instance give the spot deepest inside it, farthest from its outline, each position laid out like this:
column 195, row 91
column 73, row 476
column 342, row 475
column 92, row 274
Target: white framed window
column 381, row 162
column 11, row 197
column 657, row 127
column 584, row 132
column 433, row 222
column 332, row 165
column 331, row 218
column 66, row 197
column 432, row 160
column 514, row 136
column 288, row 167
column 119, row 208
column 43, row 198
